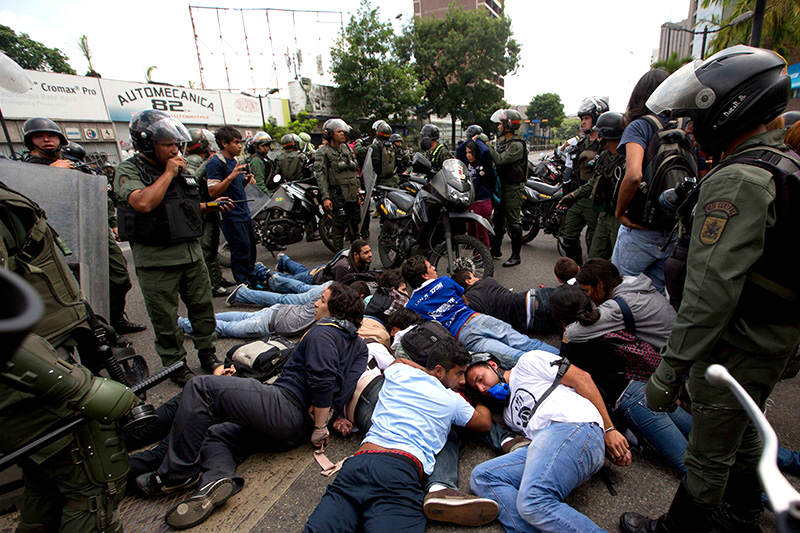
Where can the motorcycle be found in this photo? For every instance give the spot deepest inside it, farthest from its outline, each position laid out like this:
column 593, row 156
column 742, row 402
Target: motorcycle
column 540, row 209
column 549, row 170
column 433, row 222
column 282, row 220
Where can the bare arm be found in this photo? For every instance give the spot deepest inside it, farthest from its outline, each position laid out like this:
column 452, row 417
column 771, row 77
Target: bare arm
column 217, row 189
column 481, row 421
column 634, row 155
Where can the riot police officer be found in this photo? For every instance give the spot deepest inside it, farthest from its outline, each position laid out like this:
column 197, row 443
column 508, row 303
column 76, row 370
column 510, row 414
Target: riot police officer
column 336, row 172
column 435, row 151
column 384, row 156
column 608, row 170
column 740, row 298
column 402, row 156
column 581, row 213
column 511, row 161
column 289, row 163
column 260, row 165
column 75, row 483
column 45, row 141
column 160, row 214
column 305, row 144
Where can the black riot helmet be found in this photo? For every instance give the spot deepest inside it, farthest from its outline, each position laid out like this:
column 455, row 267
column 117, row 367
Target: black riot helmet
column 74, row 151
column 331, row 125
column 151, row 126
column 610, row 125
column 472, row 131
column 430, row 131
column 726, row 95
column 38, row 125
column 594, row 106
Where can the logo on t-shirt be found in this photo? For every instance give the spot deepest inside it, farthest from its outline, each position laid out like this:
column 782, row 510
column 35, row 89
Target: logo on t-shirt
column 522, row 407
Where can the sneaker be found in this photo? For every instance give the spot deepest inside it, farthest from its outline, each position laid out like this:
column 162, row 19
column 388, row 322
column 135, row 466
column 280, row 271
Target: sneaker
column 124, row 326
column 227, row 283
column 230, row 301
column 208, row 360
column 151, row 484
column 450, row 505
column 516, row 443
column 219, row 291
column 182, row 376
column 196, row 509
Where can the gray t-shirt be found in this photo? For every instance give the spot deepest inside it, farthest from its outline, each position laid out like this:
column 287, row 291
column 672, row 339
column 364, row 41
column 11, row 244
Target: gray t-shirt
column 291, row 319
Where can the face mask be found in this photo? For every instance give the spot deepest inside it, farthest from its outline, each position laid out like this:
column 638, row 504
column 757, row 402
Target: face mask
column 499, row 391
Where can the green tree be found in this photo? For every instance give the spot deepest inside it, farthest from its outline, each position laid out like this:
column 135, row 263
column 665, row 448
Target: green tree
column 32, row 54
column 568, row 128
column 301, row 123
column 371, row 80
column 671, row 63
column 780, row 32
column 460, row 60
column 546, row 106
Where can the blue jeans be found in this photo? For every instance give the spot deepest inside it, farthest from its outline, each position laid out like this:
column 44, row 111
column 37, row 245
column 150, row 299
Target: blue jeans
column 246, row 295
column 237, row 324
column 667, row 433
column 485, row 333
column 639, row 251
column 789, row 461
column 530, row 484
column 289, row 268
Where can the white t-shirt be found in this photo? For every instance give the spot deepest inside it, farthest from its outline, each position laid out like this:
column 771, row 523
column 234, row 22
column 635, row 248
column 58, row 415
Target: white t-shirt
column 414, row 414
column 380, row 353
column 529, row 379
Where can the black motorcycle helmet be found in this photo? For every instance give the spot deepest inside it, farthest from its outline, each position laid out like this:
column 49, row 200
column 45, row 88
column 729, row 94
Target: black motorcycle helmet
column 430, row 131
column 610, row 125
column 594, row 106
column 151, row 125
column 726, row 95
column 472, row 131
column 38, row 125
column 74, row 151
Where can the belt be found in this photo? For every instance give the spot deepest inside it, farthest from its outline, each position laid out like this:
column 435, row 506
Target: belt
column 405, row 456
column 473, row 315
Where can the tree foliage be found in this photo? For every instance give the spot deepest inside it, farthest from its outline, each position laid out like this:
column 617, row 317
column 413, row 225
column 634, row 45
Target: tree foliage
column 780, row 31
column 32, row 54
column 301, row 123
column 371, row 80
column 460, row 60
column 671, row 63
column 546, row 106
column 568, row 128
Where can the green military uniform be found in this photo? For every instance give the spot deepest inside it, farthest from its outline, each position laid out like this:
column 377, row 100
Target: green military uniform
column 735, row 315
column 193, row 162
column 437, row 156
column 166, row 271
column 209, row 241
column 385, row 163
column 608, row 170
column 262, row 172
column 511, row 160
column 402, row 160
column 289, row 164
column 75, row 483
column 335, row 170
column 119, row 281
column 581, row 213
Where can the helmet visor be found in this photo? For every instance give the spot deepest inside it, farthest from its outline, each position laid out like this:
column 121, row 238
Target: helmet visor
column 169, row 130
column 498, row 116
column 681, row 93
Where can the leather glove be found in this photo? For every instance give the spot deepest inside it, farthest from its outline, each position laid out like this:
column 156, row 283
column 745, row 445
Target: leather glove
column 319, row 437
column 662, row 388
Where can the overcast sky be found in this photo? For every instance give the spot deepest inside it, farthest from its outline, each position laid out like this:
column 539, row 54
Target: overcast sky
column 574, row 48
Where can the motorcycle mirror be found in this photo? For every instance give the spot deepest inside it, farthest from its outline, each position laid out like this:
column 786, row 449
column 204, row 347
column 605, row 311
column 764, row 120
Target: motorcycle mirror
column 421, row 164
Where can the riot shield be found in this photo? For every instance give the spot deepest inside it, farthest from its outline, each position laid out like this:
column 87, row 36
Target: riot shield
column 369, row 177
column 76, row 207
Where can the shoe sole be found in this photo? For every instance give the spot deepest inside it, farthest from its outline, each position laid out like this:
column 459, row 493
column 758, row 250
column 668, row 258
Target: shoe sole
column 196, row 510
column 464, row 513
column 168, row 489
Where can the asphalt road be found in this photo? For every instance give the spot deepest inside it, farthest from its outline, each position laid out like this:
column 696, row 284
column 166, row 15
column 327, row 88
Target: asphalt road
column 282, row 489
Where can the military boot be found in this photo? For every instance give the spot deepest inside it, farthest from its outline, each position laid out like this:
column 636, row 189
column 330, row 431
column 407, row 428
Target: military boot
column 572, row 249
column 515, row 232
column 684, row 515
column 497, row 244
column 208, row 360
column 741, row 509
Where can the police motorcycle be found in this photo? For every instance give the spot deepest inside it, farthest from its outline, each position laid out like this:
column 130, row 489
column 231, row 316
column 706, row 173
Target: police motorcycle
column 282, row 220
column 540, row 209
column 549, row 170
column 433, row 222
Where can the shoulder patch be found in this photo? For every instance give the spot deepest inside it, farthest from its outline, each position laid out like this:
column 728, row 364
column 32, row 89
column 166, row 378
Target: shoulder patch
column 717, row 215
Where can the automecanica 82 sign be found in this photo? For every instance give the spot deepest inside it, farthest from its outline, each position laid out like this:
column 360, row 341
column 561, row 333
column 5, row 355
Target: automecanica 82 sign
column 193, row 106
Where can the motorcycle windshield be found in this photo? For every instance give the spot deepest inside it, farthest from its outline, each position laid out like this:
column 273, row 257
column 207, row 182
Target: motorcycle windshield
column 453, row 175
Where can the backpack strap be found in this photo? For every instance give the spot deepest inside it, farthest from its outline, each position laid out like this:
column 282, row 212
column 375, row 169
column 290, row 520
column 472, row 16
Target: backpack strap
column 653, row 121
column 563, row 366
column 627, row 315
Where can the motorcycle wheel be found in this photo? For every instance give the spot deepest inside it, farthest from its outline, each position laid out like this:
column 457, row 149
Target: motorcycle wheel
column 325, row 223
column 467, row 247
column 530, row 225
column 390, row 258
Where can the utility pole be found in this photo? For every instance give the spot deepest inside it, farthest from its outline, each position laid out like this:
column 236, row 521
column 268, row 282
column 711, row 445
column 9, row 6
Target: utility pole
column 758, row 22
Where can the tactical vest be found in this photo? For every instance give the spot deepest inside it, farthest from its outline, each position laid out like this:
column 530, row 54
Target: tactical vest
column 176, row 219
column 383, row 159
column 31, row 248
column 516, row 172
column 289, row 166
column 609, row 169
column 587, row 151
column 342, row 167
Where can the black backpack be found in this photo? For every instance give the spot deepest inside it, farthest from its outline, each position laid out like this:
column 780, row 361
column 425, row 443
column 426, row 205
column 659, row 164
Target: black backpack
column 424, row 340
column 669, row 159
